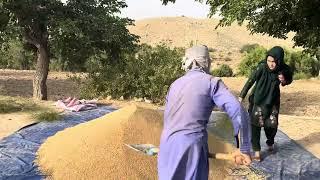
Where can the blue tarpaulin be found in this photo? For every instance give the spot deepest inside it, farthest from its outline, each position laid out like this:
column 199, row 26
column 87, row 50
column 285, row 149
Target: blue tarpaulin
column 290, row 160
column 18, row 151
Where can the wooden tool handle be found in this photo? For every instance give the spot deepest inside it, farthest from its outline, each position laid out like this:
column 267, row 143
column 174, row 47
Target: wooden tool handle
column 221, row 156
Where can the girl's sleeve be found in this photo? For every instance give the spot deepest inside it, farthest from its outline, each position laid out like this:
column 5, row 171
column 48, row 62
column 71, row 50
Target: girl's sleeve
column 252, row 79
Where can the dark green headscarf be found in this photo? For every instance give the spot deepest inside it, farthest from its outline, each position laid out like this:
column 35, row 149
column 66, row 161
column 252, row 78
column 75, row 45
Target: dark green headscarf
column 278, row 54
column 267, row 90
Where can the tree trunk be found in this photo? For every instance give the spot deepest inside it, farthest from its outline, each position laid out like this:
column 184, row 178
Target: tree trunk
column 41, row 74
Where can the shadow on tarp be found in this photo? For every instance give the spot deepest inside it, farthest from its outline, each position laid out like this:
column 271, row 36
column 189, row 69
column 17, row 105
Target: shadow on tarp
column 290, row 161
column 18, row 151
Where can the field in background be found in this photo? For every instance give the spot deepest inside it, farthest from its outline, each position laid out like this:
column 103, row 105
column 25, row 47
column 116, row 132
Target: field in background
column 299, row 119
column 300, row 98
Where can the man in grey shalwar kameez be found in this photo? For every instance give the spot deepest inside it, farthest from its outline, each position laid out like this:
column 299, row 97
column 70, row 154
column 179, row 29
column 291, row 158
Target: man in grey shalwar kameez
column 189, row 103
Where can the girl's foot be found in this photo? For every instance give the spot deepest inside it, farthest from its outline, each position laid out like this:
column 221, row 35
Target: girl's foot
column 257, row 156
column 271, row 148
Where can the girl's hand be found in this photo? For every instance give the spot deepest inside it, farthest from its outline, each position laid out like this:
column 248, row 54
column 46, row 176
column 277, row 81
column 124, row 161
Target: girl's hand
column 282, row 79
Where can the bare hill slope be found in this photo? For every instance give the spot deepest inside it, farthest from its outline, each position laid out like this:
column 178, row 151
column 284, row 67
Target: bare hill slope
column 183, row 31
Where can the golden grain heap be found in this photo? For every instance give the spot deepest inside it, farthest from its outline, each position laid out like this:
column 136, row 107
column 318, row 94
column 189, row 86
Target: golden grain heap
column 96, row 150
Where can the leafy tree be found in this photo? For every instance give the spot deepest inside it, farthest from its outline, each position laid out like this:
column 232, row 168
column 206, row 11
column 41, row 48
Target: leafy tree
column 274, row 17
column 74, row 30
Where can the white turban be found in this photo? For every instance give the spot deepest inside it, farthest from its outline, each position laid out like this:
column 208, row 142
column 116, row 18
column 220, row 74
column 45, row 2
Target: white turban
column 197, row 57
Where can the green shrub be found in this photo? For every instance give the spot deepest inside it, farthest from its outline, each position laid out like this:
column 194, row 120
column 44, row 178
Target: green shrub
column 248, row 47
column 47, row 116
column 9, row 107
column 24, row 105
column 16, row 104
column 301, row 75
column 302, row 64
column 56, row 64
column 148, row 72
column 251, row 60
column 223, row 71
column 13, row 55
column 210, row 49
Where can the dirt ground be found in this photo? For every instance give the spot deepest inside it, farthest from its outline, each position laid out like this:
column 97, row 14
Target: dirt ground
column 19, row 83
column 12, row 122
column 300, row 103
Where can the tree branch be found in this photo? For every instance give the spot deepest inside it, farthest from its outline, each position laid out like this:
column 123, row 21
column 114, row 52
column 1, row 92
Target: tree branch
column 28, row 36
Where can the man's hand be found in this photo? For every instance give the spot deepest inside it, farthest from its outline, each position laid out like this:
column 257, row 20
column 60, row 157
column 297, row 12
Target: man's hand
column 241, row 158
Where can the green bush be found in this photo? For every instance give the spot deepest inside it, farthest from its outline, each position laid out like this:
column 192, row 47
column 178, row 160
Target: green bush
column 47, row 116
column 148, row 72
column 13, row 55
column 223, row 71
column 301, row 75
column 18, row 104
column 302, row 64
column 248, row 47
column 210, row 49
column 251, row 60
column 9, row 107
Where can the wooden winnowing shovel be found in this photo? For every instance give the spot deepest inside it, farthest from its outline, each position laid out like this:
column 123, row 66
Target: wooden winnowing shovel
column 221, row 156
column 152, row 150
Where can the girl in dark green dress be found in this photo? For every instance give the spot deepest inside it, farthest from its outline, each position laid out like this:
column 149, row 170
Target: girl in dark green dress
column 264, row 100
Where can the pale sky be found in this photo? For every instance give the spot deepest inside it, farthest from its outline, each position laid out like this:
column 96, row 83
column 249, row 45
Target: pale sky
column 141, row 9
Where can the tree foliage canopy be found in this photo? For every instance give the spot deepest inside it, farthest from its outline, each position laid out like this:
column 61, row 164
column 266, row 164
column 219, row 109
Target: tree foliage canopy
column 75, row 28
column 273, row 17
column 72, row 31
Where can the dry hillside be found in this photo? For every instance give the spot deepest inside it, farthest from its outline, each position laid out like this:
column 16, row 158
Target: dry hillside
column 183, row 31
column 180, row 31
